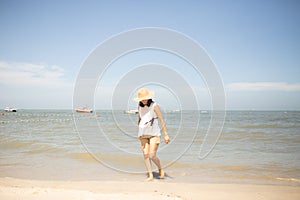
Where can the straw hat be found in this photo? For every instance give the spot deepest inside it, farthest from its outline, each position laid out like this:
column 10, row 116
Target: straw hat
column 144, row 94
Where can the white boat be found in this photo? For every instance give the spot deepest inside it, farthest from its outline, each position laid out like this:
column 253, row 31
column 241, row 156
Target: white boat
column 10, row 109
column 132, row 111
column 84, row 110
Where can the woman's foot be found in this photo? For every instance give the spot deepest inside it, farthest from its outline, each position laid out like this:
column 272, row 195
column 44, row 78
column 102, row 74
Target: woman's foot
column 161, row 174
column 150, row 177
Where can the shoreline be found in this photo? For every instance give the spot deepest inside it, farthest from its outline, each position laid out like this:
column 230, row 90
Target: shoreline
column 12, row 188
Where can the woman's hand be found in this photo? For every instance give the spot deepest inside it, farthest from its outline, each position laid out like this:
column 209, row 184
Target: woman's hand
column 167, row 139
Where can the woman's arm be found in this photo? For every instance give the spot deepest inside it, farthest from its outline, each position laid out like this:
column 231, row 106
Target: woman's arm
column 139, row 120
column 163, row 124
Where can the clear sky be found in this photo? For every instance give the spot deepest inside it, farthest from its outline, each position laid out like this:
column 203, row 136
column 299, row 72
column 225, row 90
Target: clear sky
column 254, row 43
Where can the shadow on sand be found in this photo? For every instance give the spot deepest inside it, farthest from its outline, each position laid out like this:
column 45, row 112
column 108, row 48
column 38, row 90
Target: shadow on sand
column 156, row 176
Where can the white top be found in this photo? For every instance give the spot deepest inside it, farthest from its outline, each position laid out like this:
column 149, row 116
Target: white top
column 149, row 121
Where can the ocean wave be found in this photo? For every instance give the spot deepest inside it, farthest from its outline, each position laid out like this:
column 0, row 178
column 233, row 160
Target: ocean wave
column 14, row 144
column 108, row 158
column 268, row 126
column 296, row 180
column 43, row 148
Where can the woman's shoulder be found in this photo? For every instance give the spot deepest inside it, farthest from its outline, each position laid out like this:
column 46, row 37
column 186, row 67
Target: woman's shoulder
column 154, row 104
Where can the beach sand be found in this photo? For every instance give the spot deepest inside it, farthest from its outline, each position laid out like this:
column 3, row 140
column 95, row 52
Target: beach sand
column 11, row 188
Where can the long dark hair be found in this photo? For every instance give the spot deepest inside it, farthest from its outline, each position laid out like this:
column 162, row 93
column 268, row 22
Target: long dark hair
column 148, row 103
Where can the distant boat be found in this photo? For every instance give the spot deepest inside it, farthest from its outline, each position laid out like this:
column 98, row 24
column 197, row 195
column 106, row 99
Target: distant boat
column 172, row 111
column 10, row 109
column 132, row 111
column 84, row 110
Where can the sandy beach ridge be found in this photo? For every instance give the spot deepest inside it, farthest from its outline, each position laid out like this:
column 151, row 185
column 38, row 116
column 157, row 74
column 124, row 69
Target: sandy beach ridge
column 11, row 188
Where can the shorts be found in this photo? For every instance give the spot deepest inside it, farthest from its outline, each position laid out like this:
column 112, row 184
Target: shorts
column 150, row 139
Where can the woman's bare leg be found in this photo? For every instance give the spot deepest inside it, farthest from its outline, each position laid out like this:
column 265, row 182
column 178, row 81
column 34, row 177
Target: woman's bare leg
column 155, row 159
column 146, row 148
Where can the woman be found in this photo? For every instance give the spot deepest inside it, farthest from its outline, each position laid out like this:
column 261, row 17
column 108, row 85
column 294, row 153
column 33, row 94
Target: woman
column 149, row 131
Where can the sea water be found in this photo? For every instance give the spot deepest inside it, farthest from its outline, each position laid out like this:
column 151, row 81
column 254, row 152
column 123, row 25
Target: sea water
column 260, row 147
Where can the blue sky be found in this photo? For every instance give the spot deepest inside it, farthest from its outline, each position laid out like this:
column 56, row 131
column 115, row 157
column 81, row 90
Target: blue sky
column 254, row 44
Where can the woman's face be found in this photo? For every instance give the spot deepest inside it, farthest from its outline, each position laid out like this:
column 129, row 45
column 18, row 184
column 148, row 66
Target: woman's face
column 144, row 101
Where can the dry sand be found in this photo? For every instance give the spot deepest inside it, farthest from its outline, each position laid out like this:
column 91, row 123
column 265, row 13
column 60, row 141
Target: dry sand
column 11, row 188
